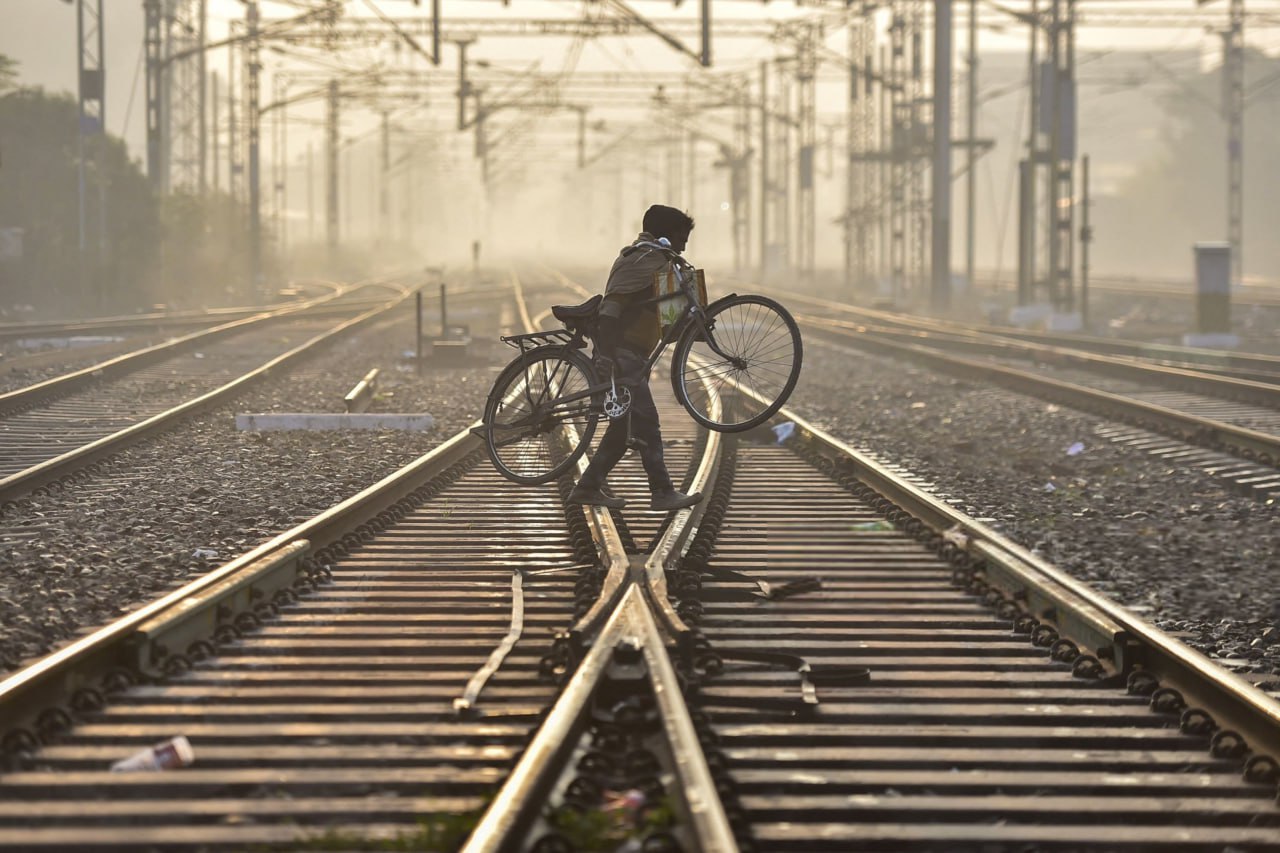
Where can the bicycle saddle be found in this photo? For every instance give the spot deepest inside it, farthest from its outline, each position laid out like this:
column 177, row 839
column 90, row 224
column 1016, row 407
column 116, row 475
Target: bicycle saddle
column 571, row 314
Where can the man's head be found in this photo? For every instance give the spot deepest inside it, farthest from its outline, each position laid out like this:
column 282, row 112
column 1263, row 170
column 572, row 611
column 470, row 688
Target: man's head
column 675, row 225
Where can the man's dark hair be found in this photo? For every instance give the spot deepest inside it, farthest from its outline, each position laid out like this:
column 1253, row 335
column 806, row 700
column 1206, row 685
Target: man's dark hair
column 663, row 221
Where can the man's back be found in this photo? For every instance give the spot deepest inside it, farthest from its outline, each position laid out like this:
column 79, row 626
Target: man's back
column 630, row 286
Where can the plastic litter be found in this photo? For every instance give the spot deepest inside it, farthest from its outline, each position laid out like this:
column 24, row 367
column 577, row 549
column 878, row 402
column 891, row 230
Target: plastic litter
column 871, row 525
column 204, row 554
column 167, row 755
column 630, row 802
column 1049, row 487
column 784, row 430
column 957, row 537
column 795, row 587
column 1076, row 449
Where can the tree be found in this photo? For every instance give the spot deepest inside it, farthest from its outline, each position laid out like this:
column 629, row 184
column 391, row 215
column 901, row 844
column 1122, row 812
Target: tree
column 8, row 73
column 39, row 194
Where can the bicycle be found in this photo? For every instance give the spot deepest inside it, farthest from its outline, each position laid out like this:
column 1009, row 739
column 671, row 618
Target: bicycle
column 546, row 403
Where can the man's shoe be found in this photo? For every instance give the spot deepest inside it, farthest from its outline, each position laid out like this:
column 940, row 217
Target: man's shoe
column 672, row 500
column 589, row 496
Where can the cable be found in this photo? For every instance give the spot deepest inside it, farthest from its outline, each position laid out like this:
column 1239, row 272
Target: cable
column 133, row 90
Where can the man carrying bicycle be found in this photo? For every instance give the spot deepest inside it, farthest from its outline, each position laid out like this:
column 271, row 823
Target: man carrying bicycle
column 628, row 330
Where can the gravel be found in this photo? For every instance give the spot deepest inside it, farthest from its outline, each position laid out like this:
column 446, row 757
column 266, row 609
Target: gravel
column 1169, row 543
column 165, row 511
column 21, row 367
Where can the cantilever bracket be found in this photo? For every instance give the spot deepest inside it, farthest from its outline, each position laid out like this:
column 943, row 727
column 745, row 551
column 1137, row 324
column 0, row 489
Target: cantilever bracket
column 703, row 58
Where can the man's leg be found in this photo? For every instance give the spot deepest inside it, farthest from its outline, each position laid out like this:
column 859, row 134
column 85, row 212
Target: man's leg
column 610, row 451
column 612, row 448
column 645, row 427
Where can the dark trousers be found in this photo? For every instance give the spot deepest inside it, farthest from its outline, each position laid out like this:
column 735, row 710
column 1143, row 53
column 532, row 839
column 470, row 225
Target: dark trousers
column 644, row 427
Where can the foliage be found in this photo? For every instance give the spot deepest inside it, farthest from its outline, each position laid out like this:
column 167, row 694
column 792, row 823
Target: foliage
column 205, row 258
column 184, row 250
column 39, row 184
column 603, row 830
column 8, row 72
column 1179, row 196
column 436, row 833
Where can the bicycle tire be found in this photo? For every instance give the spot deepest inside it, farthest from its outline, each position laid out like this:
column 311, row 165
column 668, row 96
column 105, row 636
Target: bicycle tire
column 533, row 452
column 758, row 331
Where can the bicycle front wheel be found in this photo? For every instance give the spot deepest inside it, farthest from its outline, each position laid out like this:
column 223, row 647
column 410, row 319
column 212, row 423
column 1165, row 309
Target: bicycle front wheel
column 540, row 415
column 751, row 345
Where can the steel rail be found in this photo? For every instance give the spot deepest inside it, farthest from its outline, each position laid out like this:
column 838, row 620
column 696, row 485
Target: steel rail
column 191, row 317
column 1247, row 443
column 1264, row 393
column 25, row 397
column 1262, row 295
column 625, row 607
column 1091, row 619
column 675, row 538
column 59, row 467
column 48, row 683
column 1245, row 376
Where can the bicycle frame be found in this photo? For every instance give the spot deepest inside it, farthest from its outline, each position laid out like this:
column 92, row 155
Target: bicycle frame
column 694, row 313
column 562, row 408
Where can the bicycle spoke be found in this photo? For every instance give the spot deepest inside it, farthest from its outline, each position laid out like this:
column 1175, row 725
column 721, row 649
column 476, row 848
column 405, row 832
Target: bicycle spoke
column 550, row 393
column 752, row 347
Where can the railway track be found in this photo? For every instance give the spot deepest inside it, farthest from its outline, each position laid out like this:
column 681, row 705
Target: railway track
column 52, row 430
column 302, row 292
column 820, row 657
column 1259, row 293
column 1227, row 426
column 1173, row 363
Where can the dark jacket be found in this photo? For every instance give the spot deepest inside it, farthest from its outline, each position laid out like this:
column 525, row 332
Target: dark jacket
column 628, row 295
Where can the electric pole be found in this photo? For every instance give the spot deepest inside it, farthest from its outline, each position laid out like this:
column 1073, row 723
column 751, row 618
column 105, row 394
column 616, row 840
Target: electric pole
column 971, row 154
column 1233, row 65
column 384, row 179
column 253, row 118
column 331, row 170
column 940, row 293
column 91, row 91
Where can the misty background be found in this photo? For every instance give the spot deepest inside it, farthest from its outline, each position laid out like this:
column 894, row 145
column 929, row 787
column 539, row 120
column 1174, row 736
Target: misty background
column 1149, row 117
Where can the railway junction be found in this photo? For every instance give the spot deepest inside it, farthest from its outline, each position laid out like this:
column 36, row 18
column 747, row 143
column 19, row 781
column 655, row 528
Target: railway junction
column 986, row 556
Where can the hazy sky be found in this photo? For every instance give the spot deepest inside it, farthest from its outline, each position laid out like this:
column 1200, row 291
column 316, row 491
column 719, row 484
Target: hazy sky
column 40, row 34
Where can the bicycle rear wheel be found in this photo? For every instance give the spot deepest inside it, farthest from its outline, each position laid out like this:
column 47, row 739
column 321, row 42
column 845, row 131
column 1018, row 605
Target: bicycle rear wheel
column 754, row 346
column 534, row 435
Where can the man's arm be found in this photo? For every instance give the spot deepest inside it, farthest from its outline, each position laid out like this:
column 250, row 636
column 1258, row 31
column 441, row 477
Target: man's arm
column 608, row 328
column 617, row 313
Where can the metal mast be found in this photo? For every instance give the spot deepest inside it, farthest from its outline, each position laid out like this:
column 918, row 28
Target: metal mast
column 331, row 168
column 940, row 268
column 971, row 149
column 183, row 93
column 1061, row 201
column 253, row 122
column 764, row 167
column 1233, row 64
column 859, row 170
column 899, row 150
column 917, row 147
column 154, row 46
column 806, row 125
column 92, row 112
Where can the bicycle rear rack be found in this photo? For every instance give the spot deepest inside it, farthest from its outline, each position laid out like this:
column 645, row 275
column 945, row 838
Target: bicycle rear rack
column 533, row 340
